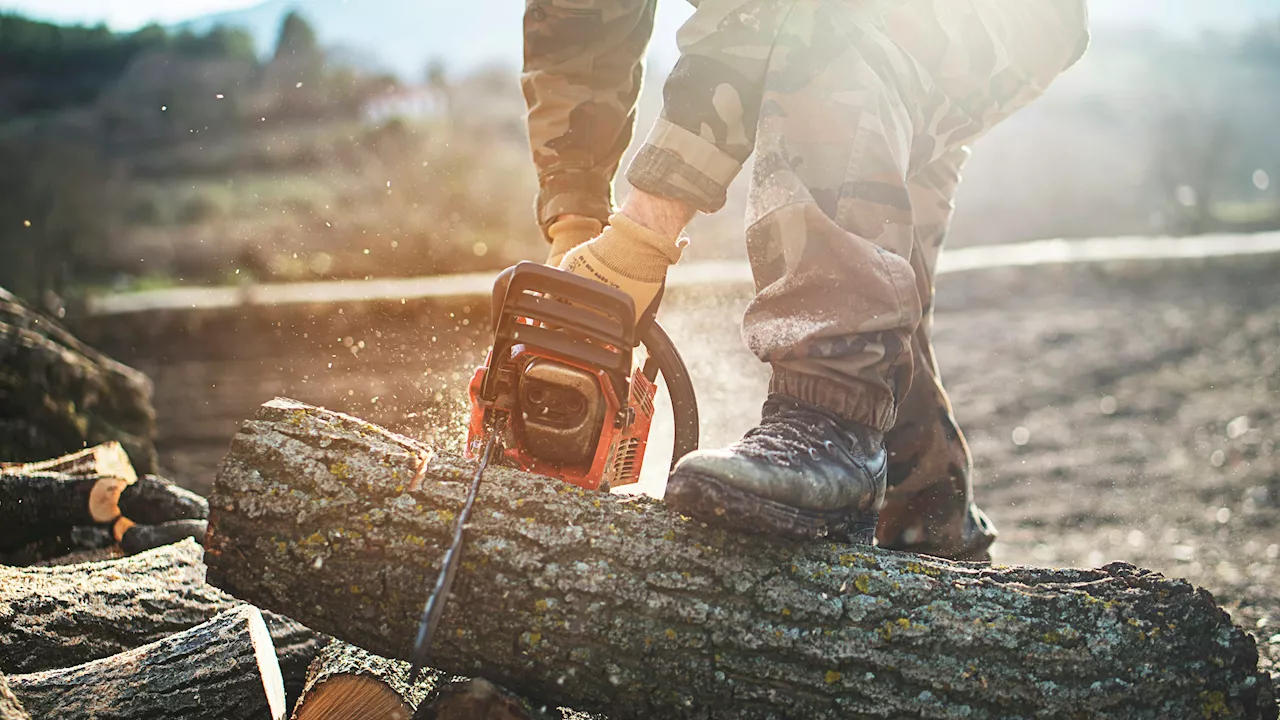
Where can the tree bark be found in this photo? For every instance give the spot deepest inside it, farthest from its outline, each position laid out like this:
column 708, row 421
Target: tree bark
column 10, row 708
column 83, row 543
column 62, row 616
column 620, row 606
column 224, row 668
column 61, row 395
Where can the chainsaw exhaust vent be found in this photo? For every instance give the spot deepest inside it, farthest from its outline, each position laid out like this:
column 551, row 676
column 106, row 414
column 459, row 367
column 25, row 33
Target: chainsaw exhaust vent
column 624, row 468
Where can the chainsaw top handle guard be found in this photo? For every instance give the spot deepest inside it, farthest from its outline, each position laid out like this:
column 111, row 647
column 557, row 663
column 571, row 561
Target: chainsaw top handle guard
column 614, row 306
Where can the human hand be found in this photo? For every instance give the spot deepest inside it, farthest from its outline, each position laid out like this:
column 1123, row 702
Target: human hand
column 568, row 232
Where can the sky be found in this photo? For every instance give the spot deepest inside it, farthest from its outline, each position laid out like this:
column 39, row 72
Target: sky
column 132, row 14
column 121, row 14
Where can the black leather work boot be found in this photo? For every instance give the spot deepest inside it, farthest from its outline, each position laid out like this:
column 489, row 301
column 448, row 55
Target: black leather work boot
column 803, row 472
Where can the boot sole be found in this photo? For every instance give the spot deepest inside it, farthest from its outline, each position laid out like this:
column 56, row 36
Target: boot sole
column 710, row 500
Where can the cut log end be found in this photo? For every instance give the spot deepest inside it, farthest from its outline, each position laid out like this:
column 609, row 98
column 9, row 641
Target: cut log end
column 268, row 666
column 352, row 697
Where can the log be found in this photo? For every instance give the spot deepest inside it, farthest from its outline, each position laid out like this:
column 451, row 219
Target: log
column 224, row 668
column 42, row 502
column 620, row 606
column 46, row 498
column 62, row 616
column 10, row 708
column 83, row 543
column 60, row 395
column 348, row 683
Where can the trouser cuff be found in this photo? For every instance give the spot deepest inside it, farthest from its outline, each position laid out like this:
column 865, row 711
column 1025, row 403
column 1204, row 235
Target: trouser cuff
column 856, row 401
column 573, row 192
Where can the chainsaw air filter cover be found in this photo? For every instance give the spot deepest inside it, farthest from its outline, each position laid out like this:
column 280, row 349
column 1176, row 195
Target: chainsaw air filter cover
column 563, row 411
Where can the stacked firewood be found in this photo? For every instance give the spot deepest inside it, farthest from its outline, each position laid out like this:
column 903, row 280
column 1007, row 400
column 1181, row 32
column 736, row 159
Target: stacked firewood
column 145, row 636
column 98, row 624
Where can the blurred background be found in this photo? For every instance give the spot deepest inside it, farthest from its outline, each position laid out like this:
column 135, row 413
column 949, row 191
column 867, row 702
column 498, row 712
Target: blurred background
column 148, row 144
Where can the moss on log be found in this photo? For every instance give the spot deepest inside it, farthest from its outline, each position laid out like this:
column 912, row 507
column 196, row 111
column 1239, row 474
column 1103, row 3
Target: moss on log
column 60, row 395
column 224, row 668
column 620, row 606
column 54, row 617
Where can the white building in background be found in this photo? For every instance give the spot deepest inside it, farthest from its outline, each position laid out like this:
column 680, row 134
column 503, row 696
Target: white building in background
column 411, row 103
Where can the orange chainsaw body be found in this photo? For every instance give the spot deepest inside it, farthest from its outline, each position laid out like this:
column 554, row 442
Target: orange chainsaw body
column 619, row 451
column 559, row 388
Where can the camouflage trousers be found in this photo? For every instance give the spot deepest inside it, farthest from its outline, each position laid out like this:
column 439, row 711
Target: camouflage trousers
column 858, row 114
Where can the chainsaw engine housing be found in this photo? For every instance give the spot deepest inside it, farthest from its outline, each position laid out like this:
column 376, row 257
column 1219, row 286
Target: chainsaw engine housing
column 558, row 386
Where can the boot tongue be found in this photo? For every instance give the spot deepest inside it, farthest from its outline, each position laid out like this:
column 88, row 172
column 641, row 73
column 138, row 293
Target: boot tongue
column 823, row 422
column 787, row 426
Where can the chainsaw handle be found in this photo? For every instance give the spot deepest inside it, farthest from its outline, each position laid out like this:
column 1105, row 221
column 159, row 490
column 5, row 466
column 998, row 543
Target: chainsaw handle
column 664, row 358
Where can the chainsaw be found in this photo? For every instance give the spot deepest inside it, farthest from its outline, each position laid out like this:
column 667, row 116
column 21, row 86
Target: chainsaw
column 565, row 393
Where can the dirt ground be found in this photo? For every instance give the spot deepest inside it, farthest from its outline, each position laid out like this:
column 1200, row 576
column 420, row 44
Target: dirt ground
column 1123, row 413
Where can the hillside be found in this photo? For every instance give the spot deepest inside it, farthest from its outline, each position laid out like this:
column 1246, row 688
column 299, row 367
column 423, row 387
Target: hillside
column 174, row 157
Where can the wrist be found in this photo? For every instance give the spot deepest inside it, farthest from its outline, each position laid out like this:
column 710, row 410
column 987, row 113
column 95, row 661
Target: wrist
column 665, row 216
column 569, row 231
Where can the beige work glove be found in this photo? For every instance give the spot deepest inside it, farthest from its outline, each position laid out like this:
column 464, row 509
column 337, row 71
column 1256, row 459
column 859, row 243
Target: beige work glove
column 627, row 256
column 568, row 232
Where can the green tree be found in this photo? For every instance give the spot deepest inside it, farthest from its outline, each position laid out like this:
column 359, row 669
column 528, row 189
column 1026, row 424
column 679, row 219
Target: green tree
column 297, row 38
column 437, row 77
column 58, row 209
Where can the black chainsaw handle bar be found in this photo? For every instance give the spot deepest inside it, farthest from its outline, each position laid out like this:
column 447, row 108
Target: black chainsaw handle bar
column 665, row 359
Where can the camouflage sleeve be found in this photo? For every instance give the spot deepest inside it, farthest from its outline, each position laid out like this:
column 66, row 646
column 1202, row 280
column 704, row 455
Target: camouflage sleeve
column 582, row 72
column 711, row 102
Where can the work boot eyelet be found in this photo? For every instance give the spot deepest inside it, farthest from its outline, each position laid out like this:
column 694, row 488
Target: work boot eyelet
column 831, row 448
column 813, row 453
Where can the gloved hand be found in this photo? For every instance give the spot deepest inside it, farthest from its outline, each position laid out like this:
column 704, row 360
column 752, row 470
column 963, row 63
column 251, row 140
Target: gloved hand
column 627, row 256
column 568, row 232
